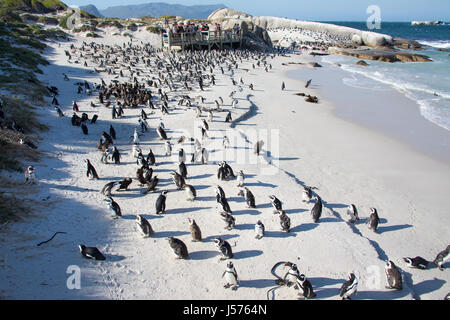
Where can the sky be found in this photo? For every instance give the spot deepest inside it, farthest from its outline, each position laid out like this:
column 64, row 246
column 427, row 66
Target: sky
column 316, row 10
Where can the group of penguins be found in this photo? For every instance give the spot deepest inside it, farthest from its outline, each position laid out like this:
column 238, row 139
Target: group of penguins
column 186, row 71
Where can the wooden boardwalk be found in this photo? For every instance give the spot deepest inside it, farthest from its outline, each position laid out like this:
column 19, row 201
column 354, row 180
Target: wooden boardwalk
column 201, row 40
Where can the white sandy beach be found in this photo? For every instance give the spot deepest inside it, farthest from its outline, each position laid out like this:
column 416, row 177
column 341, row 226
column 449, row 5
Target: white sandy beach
column 310, row 145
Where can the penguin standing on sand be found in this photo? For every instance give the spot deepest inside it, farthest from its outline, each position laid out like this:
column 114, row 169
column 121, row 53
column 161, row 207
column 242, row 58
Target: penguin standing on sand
column 178, row 247
column 306, row 286
column 417, row 262
column 183, row 170
column 112, row 132
column 91, row 173
column 353, row 213
column 106, row 191
column 178, row 180
column 161, row 203
column 114, row 207
column 373, row 220
column 91, row 253
column 219, row 193
column 225, row 206
column 229, row 220
column 161, row 133
column 349, row 287
column 168, row 148
column 292, row 275
column 181, row 156
column 204, row 156
column 144, row 226
column 283, row 86
column 316, row 211
column 231, row 277
column 195, row 231
column 151, row 185
column 393, row 276
column 285, row 222
column 224, row 247
column 258, row 146
column 259, row 230
column 249, row 198
column 191, row 192
column 228, row 118
column 442, row 257
column 240, row 178
column 116, row 156
column 151, row 158
column 307, row 194
column 276, row 203
column 30, row 175
column 124, row 184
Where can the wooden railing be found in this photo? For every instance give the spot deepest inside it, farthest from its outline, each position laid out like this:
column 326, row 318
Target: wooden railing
column 202, row 38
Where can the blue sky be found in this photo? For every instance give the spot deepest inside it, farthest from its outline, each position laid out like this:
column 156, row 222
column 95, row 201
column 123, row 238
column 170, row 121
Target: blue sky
column 322, row 10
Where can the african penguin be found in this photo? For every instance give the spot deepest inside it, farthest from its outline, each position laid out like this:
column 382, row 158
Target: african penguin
column 161, row 203
column 183, row 170
column 249, row 198
column 240, row 178
column 285, row 222
column 349, row 287
column 191, row 192
column 292, row 275
column 373, row 220
column 106, row 191
column 195, row 230
column 124, row 184
column 144, row 226
column 178, row 180
column 276, row 203
column 229, row 220
column 417, row 262
column 231, row 277
column 259, row 230
column 306, row 286
column 114, row 207
column 442, row 257
column 393, row 276
column 316, row 210
column 91, row 253
column 30, row 175
column 91, row 173
column 353, row 213
column 224, row 247
column 178, row 247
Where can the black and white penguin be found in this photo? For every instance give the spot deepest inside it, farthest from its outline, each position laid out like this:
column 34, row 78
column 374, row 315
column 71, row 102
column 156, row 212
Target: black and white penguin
column 417, row 262
column 221, row 173
column 249, row 198
column 168, row 148
column 228, row 117
column 161, row 133
column 316, row 210
column 84, row 128
column 116, row 155
column 75, row 106
column 230, row 221
column 151, row 158
column 353, row 213
column 307, row 194
column 228, row 170
column 161, row 203
column 259, row 230
column 178, row 180
column 107, row 138
column 258, row 146
column 285, row 222
column 91, row 253
column 144, row 226
column 224, row 247
column 224, row 204
column 114, row 207
column 91, row 173
column 349, row 287
column 231, row 277
column 124, row 184
column 112, row 132
column 276, row 203
column 195, row 230
column 306, row 286
column 442, row 257
column 106, row 191
column 190, row 192
column 60, row 113
column 29, row 144
column 178, row 247
column 30, row 175
column 283, row 86
column 204, row 156
column 308, row 83
column 151, row 185
column 181, row 156
column 393, row 276
column 290, row 278
column 219, row 193
column 94, row 119
column 373, row 220
column 183, row 170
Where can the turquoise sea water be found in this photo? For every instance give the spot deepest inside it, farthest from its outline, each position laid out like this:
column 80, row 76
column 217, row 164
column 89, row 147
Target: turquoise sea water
column 427, row 83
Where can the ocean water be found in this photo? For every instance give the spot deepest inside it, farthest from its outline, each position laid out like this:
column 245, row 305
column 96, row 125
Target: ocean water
column 427, row 83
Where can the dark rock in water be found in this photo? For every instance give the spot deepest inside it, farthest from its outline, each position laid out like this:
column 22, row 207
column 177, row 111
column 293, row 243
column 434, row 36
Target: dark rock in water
column 406, row 44
column 319, row 54
column 384, row 54
column 362, row 63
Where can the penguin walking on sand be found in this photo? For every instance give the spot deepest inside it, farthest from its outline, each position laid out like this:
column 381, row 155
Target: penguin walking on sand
column 373, row 220
column 231, row 277
column 30, row 175
column 168, row 148
column 190, row 192
column 285, row 222
column 249, row 197
column 228, row 117
column 306, row 286
column 91, row 253
column 225, row 206
column 259, row 230
column 258, row 146
column 276, row 203
column 225, row 142
column 179, row 248
column 224, row 248
column 316, row 210
column 151, row 185
column 178, row 180
column 161, row 203
column 393, row 276
column 114, row 207
column 349, row 287
column 195, row 231
column 112, row 132
column 230, row 221
column 353, row 213
column 442, row 257
column 144, row 226
column 124, row 184
column 219, row 193
column 161, row 133
column 181, row 156
column 151, row 158
column 183, row 170
column 417, row 262
column 91, row 173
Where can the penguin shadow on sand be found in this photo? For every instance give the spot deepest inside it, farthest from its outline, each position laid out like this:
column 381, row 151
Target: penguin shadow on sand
column 167, row 234
column 202, row 176
column 257, row 283
column 260, row 184
column 251, row 212
column 203, row 255
column 222, row 236
column 113, row 258
column 304, row 227
column 186, row 210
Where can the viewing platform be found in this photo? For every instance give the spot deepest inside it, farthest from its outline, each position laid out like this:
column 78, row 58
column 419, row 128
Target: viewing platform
column 201, row 40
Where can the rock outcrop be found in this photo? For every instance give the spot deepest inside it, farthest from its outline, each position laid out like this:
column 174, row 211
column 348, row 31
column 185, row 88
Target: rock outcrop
column 385, row 54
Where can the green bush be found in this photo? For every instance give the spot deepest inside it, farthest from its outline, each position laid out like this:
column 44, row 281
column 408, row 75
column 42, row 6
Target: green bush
column 92, row 35
column 154, row 29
